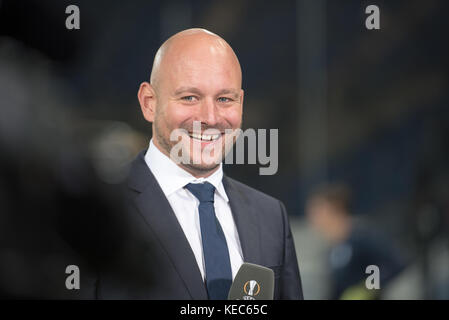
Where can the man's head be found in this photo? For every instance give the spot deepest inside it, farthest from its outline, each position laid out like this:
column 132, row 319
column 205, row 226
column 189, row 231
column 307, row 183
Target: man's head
column 196, row 77
column 328, row 209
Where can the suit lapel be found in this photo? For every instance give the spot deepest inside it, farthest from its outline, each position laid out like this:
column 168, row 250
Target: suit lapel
column 246, row 221
column 157, row 212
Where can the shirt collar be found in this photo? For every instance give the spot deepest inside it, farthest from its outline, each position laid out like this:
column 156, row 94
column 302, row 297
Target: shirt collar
column 171, row 177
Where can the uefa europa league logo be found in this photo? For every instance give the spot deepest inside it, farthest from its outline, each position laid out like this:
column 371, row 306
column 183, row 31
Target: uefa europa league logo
column 251, row 289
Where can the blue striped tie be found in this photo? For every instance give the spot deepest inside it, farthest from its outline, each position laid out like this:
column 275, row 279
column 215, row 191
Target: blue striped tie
column 215, row 249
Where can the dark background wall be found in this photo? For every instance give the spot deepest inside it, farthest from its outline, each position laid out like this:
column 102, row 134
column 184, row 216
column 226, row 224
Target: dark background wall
column 369, row 108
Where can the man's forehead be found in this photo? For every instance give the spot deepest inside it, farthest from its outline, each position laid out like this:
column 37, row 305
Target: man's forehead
column 203, row 73
column 198, row 53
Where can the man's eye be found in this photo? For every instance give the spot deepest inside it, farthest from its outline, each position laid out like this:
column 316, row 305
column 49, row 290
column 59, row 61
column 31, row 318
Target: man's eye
column 189, row 98
column 224, row 99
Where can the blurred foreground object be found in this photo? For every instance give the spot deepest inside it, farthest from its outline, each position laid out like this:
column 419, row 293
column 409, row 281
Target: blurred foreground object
column 60, row 183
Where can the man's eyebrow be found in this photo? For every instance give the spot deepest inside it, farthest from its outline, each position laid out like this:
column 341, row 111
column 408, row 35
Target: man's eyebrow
column 234, row 92
column 187, row 89
column 181, row 90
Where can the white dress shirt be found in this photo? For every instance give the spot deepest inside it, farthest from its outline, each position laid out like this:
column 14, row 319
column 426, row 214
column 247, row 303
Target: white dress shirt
column 172, row 180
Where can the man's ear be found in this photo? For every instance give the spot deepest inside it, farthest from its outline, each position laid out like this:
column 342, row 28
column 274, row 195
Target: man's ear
column 147, row 100
column 242, row 94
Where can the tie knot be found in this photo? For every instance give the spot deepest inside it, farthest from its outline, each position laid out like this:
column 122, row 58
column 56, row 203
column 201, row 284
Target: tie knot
column 204, row 192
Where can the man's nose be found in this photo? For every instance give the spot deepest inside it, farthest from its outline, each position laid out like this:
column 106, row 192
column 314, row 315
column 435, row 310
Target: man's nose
column 209, row 112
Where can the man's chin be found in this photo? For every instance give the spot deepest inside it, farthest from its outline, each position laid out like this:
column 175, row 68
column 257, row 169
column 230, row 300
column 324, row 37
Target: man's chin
column 201, row 167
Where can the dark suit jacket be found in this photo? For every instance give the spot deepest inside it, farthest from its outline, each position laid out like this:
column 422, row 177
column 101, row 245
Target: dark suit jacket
column 154, row 259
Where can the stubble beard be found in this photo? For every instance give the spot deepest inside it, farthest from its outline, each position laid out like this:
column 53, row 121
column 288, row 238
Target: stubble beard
column 197, row 169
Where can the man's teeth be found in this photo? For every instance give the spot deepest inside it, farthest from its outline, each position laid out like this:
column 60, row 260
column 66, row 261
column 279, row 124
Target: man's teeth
column 205, row 137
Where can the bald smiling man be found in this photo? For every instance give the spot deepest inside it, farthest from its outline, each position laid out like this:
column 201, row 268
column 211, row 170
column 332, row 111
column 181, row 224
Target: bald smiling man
column 190, row 227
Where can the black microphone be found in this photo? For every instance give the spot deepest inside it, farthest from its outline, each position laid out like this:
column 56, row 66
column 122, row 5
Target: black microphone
column 252, row 282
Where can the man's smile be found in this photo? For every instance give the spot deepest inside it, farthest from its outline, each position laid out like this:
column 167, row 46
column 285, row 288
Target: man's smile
column 206, row 139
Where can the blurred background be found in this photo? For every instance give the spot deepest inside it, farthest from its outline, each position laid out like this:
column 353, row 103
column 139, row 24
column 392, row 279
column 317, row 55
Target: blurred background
column 364, row 111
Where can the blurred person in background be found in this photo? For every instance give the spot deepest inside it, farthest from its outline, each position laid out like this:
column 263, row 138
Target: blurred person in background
column 353, row 247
